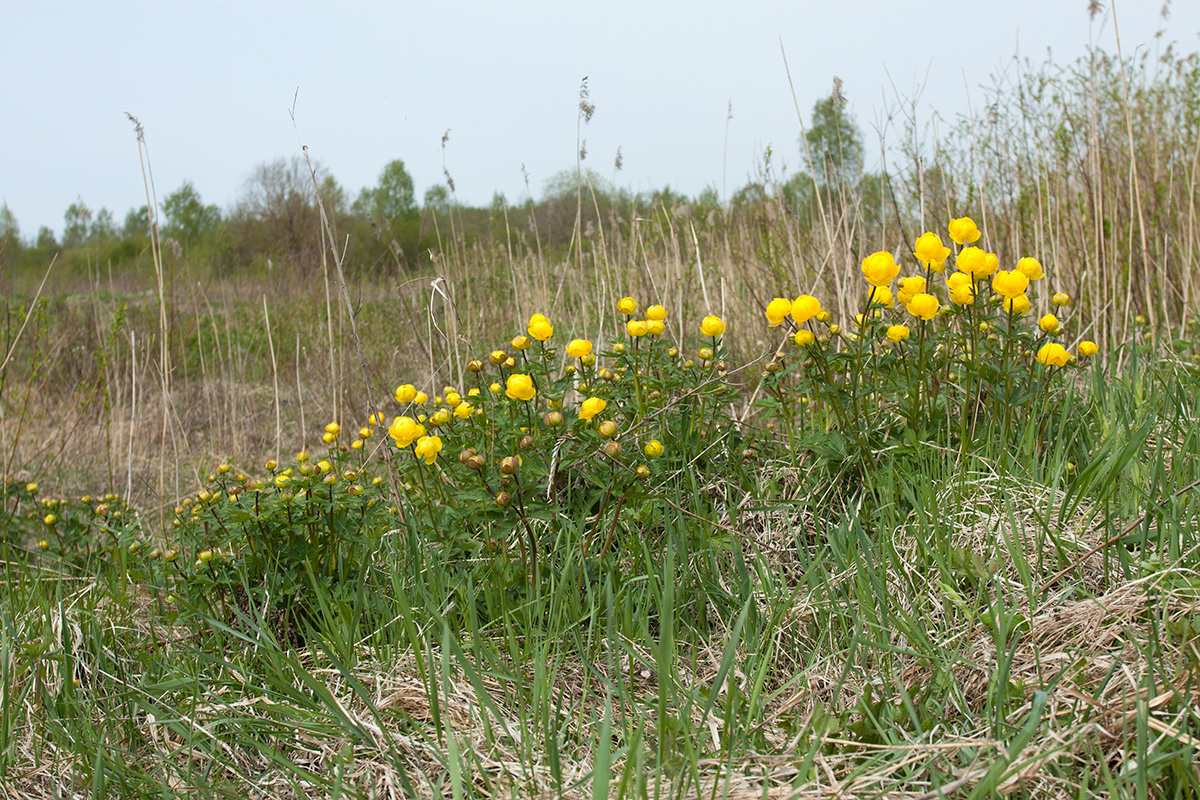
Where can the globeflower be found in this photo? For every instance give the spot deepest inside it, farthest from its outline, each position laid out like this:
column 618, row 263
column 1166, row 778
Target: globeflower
column 656, row 313
column 1061, row 299
column 897, row 333
column 973, row 262
column 464, row 410
column 1053, row 354
column 627, row 305
column 962, row 292
column 521, row 343
column 405, row 393
column 520, row 387
column 963, row 230
column 405, row 431
column 655, row 326
column 591, row 407
column 636, row 327
column 777, row 311
column 882, row 297
column 880, row 268
column 804, row 308
column 1017, row 305
column 1088, row 348
column 428, row 448
column 1030, row 268
column 910, row 287
column 540, row 327
column 578, row 348
column 803, row 338
column 924, row 306
column 1048, row 323
column 930, row 251
column 712, row 326
column 653, row 448
column 1009, row 284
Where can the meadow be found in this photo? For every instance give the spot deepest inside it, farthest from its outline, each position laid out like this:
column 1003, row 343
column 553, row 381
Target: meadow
column 854, row 485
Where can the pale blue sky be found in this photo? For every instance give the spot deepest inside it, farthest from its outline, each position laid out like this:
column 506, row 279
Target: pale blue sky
column 212, row 83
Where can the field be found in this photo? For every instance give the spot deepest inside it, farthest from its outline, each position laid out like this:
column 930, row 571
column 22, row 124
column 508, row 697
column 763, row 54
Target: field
column 629, row 496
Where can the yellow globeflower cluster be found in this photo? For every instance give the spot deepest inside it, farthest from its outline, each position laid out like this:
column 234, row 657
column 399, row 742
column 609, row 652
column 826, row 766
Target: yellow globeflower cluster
column 540, row 327
column 777, row 311
column 520, row 387
column 712, row 326
column 964, row 231
column 962, row 292
column 880, row 269
column 930, row 251
column 804, row 308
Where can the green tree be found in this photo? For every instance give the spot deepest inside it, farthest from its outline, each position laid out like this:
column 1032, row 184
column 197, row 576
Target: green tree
column 437, row 198
column 189, row 221
column 9, row 229
column 835, row 144
column 77, row 219
column 392, row 199
column 137, row 223
column 45, row 238
column 104, row 228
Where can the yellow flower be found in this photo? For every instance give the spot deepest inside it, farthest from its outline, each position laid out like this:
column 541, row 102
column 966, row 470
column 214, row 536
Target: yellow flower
column 657, row 313
column 880, row 268
column 963, row 231
column 777, row 311
column 961, row 291
column 804, row 308
column 653, row 448
column 578, row 348
column 897, row 333
column 464, row 410
column 1061, row 299
column 540, row 328
column 49, row 520
column 495, row 388
column 803, row 338
column 420, row 398
column 712, row 326
column 1053, row 354
column 627, row 305
column 428, row 448
column 453, row 399
column 405, row 431
column 973, row 262
column 910, row 287
column 332, row 427
column 405, row 394
column 636, row 327
column 991, row 263
column 1009, row 284
column 325, row 466
column 497, row 356
column 655, row 326
column 924, row 305
column 882, row 297
column 520, row 387
column 930, row 251
column 1088, row 348
column 1017, row 305
column 591, row 407
column 521, row 343
column 1030, row 268
column 1048, row 323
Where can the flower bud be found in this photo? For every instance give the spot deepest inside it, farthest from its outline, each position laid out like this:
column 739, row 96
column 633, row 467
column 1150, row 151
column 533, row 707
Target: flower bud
column 503, row 499
column 271, row 464
column 706, row 354
column 466, row 455
column 612, row 449
column 619, row 348
column 476, row 462
column 526, row 442
column 475, row 366
column 497, row 357
column 643, row 472
column 553, row 419
column 509, row 465
column 608, row 429
column 672, row 352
